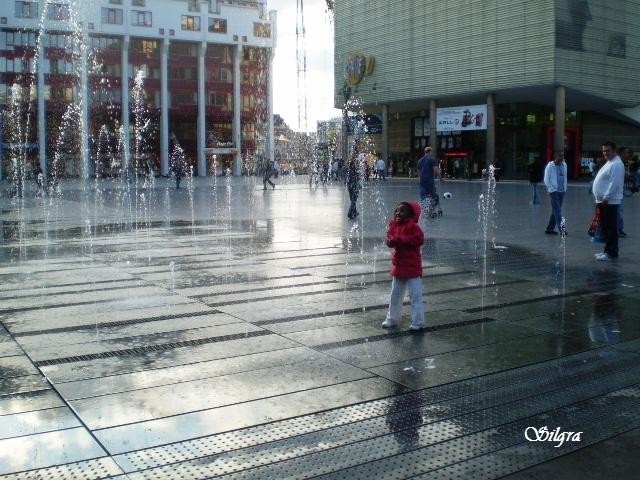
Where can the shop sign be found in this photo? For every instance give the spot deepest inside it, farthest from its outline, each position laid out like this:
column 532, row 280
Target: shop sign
column 357, row 66
column 364, row 124
column 472, row 117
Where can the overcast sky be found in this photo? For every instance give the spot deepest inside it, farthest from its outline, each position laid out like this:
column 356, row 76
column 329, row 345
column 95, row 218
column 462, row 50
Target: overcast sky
column 319, row 43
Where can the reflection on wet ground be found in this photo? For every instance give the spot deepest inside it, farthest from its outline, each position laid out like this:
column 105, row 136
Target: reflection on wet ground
column 246, row 342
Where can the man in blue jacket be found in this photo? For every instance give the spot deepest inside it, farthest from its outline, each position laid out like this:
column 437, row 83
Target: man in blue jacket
column 555, row 179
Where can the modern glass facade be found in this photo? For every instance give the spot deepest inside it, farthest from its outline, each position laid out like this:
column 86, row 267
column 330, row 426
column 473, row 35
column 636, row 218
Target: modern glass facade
column 526, row 60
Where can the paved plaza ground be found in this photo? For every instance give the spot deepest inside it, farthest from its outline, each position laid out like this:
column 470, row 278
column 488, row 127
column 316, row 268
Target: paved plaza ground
column 224, row 331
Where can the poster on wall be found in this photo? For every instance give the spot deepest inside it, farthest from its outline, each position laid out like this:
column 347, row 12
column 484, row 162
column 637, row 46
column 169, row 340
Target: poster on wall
column 472, row 117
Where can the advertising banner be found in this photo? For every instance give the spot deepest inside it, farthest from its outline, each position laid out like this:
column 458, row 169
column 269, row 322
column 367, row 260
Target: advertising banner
column 472, row 117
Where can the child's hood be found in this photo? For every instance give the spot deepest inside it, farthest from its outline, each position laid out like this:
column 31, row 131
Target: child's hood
column 415, row 207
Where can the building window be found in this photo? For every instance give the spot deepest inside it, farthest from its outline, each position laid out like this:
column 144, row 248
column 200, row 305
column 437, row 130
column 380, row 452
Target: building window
column 141, row 18
column 115, row 2
column 184, row 49
column 58, row 11
column 262, row 30
column 62, row 93
column 223, row 75
column 218, row 99
column 112, row 16
column 193, row 6
column 182, row 98
column 617, row 45
column 217, row 25
column 183, row 73
column 137, row 3
column 26, row 9
column 102, row 44
column 148, row 47
column 189, row 22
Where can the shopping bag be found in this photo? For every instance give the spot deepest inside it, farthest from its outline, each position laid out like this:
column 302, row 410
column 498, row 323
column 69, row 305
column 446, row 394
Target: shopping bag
column 595, row 227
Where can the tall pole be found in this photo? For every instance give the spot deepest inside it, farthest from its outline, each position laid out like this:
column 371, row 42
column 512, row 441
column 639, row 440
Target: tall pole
column 164, row 108
column 42, row 122
column 202, row 109
column 346, row 94
column 237, row 106
column 124, row 104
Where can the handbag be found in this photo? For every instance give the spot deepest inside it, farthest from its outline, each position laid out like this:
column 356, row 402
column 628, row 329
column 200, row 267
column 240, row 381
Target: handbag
column 595, row 230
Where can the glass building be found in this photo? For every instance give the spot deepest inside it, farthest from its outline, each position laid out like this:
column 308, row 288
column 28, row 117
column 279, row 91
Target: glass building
column 550, row 75
column 204, row 68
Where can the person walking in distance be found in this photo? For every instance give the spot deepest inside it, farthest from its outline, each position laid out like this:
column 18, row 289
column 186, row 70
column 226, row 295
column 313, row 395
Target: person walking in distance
column 555, row 179
column 607, row 190
column 534, row 179
column 354, row 182
column 627, row 160
column 428, row 171
column 269, row 172
column 405, row 236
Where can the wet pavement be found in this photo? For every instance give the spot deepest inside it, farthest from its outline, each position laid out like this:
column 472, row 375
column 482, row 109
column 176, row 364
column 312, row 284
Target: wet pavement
column 224, row 331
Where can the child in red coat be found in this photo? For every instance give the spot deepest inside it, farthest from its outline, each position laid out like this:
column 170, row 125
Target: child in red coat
column 405, row 236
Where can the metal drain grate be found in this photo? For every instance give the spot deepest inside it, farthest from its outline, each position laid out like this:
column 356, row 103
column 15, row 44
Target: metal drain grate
column 344, row 311
column 375, row 433
column 43, row 293
column 118, row 323
column 186, row 268
column 77, row 284
column 387, row 336
column 308, row 267
column 151, row 348
column 276, row 297
column 525, row 302
column 264, row 289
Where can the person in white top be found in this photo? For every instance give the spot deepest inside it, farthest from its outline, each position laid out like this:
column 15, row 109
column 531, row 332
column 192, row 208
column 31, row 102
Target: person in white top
column 555, row 179
column 607, row 190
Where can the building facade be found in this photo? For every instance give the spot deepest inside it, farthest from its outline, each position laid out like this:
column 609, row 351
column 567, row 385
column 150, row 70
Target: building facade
column 545, row 75
column 139, row 77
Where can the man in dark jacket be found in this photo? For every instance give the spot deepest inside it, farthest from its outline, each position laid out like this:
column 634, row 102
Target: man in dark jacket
column 354, row 183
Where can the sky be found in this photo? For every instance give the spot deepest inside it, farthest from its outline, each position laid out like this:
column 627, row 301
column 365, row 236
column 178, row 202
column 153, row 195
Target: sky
column 319, row 48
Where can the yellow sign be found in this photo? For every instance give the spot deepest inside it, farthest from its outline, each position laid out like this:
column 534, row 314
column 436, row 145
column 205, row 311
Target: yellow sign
column 357, row 66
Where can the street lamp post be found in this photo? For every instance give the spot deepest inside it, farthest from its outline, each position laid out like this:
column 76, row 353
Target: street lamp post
column 346, row 93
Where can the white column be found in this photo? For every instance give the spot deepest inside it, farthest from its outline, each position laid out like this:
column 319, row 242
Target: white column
column 124, row 104
column 271, row 144
column 433, row 127
column 202, row 110
column 1, row 152
column 237, row 109
column 84, row 78
column 559, row 121
column 385, row 134
column 491, row 130
column 42, row 122
column 273, row 18
column 164, row 109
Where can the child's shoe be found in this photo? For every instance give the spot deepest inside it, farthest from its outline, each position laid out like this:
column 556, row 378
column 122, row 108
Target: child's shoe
column 388, row 323
column 416, row 327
